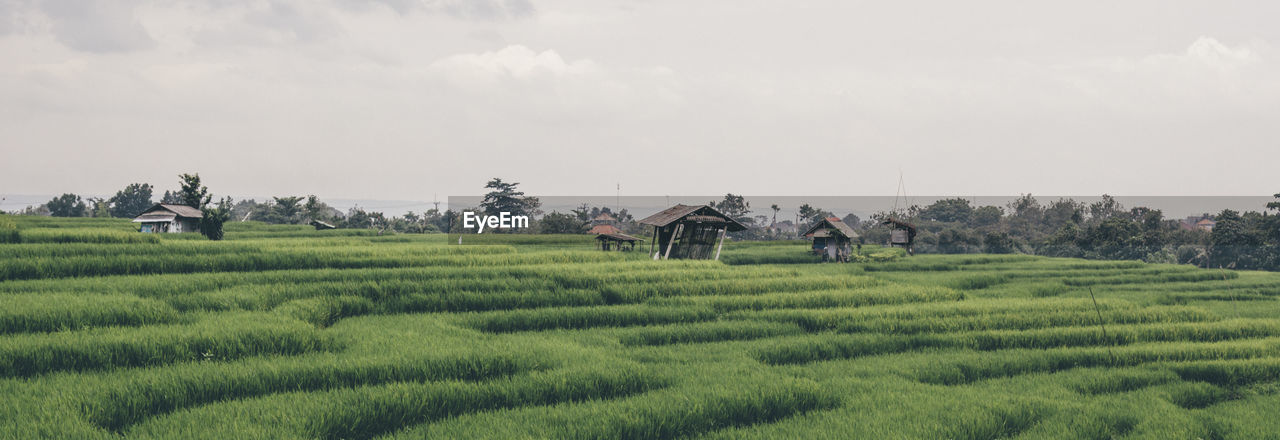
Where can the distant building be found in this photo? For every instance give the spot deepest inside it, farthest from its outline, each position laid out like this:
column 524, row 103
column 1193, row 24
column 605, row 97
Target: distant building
column 689, row 231
column 617, row 242
column 604, row 219
column 901, row 234
column 832, row 239
column 165, row 218
column 1198, row 223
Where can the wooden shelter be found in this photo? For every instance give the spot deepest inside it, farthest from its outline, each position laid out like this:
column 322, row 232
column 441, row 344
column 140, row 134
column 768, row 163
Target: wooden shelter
column 169, row 218
column 617, row 242
column 689, row 231
column 901, row 234
column 320, row 226
column 832, row 239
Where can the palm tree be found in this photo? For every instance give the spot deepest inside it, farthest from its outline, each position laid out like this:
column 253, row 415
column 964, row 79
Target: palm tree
column 775, row 209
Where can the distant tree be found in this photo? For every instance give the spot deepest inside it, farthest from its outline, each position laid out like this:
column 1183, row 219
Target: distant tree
column 171, row 198
column 213, row 218
column 98, row 208
column 506, row 197
column 998, row 243
column 852, row 220
column 948, row 211
column 986, row 216
column 67, row 205
column 557, row 223
column 285, row 210
column 193, row 193
column 131, row 201
column 809, row 214
column 736, row 207
column 775, row 209
column 1106, row 208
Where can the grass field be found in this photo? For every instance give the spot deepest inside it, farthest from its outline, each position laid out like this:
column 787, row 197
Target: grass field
column 284, row 332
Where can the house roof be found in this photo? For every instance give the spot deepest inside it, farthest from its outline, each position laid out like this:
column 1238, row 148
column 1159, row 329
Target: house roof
column 604, row 217
column 831, row 224
column 604, row 229
column 149, row 218
column 692, row 213
column 176, row 210
column 1206, row 222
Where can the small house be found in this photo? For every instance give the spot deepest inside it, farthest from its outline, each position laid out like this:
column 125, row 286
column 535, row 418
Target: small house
column 163, row 218
column 832, row 239
column 689, row 231
column 901, row 234
column 616, row 242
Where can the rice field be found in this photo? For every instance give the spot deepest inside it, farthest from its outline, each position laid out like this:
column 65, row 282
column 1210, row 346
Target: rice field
column 286, row 332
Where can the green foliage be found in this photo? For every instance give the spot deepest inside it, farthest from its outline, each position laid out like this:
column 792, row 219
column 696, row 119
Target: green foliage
column 282, row 331
column 131, row 201
column 67, row 205
column 193, row 193
column 213, row 218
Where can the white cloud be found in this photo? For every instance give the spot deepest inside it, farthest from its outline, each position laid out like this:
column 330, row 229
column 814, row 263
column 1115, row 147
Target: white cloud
column 514, row 61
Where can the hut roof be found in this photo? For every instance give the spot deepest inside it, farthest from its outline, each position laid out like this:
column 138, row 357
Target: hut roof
column 900, row 224
column 170, row 211
column 604, row 217
column 604, row 229
column 617, row 237
column 829, row 225
column 693, row 213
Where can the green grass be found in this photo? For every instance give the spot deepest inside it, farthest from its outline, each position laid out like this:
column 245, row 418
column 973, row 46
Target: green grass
column 282, row 331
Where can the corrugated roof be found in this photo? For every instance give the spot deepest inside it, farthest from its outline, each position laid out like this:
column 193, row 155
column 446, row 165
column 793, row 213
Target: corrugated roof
column 179, row 210
column 705, row 214
column 146, row 218
column 835, row 224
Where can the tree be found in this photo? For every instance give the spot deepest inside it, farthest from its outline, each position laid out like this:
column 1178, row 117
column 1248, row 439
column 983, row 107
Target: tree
column 98, row 208
column 131, row 201
column 775, row 209
column 506, row 197
column 1106, row 208
column 67, row 205
column 213, row 217
column 948, row 211
column 193, row 194
column 171, row 198
column 986, row 216
column 557, row 223
column 736, row 207
column 285, row 210
column 809, row 214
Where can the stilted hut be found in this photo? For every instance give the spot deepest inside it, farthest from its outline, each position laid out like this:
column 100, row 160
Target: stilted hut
column 832, row 239
column 689, row 231
column 617, row 242
column 901, row 234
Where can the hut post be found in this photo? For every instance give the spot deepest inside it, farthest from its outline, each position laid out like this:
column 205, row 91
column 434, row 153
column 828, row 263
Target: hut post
column 721, row 245
column 654, row 242
column 672, row 241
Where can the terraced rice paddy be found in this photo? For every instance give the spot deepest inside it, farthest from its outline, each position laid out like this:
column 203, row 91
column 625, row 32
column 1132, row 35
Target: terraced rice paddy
column 280, row 332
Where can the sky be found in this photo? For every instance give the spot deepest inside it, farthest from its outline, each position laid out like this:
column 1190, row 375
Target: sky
column 419, row 99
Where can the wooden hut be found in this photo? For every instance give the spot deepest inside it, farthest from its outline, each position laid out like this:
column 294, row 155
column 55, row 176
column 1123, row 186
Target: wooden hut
column 689, row 231
column 901, row 234
column 320, row 226
column 169, row 218
column 832, row 239
column 616, row 242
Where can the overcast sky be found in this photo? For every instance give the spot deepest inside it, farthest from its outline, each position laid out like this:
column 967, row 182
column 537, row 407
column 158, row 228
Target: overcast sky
column 405, row 99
